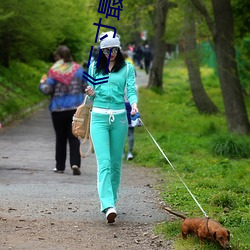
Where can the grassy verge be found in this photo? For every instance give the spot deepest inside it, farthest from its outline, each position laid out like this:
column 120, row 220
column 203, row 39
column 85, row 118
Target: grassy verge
column 19, row 88
column 212, row 163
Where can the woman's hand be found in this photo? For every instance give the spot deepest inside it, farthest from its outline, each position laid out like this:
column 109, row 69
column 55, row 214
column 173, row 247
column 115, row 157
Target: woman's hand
column 90, row 91
column 43, row 79
column 134, row 109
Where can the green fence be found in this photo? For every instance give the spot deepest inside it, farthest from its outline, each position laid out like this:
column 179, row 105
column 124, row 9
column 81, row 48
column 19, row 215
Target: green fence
column 207, row 55
column 208, row 58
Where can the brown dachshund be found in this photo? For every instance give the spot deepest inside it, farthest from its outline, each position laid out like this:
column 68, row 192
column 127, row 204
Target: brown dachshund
column 204, row 229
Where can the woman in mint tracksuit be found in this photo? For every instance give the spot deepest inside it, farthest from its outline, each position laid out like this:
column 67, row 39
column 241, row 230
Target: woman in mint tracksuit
column 109, row 123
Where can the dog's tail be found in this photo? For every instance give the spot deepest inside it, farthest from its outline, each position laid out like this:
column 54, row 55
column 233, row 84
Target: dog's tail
column 175, row 213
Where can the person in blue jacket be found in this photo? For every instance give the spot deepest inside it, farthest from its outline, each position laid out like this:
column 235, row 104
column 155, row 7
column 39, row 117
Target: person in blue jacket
column 109, row 124
column 66, row 86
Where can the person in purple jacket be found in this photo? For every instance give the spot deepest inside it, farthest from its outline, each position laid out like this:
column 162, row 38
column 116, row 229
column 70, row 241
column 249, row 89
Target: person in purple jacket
column 66, row 86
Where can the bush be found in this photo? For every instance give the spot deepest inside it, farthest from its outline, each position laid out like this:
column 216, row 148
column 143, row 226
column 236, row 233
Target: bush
column 19, row 88
column 231, row 146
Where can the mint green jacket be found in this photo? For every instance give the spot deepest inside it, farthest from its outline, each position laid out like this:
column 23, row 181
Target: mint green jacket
column 110, row 95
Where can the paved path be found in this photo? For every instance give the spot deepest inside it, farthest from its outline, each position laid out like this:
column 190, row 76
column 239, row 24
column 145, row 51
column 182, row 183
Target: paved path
column 141, row 78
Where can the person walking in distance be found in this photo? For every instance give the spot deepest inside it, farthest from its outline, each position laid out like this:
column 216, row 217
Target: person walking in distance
column 66, row 86
column 147, row 58
column 130, row 133
column 131, row 129
column 109, row 123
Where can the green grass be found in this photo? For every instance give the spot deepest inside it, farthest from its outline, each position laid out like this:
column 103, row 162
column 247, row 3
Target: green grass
column 19, row 87
column 214, row 164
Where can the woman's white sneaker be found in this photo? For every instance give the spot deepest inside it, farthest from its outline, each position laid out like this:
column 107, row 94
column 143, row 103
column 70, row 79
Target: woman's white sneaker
column 111, row 214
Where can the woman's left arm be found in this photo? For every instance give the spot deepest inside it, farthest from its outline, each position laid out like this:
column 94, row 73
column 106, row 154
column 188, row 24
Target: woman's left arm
column 131, row 89
column 90, row 91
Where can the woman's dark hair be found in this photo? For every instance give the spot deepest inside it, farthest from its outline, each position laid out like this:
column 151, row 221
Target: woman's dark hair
column 119, row 63
column 63, row 52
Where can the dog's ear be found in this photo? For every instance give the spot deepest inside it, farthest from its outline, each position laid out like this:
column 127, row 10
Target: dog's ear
column 214, row 235
column 228, row 237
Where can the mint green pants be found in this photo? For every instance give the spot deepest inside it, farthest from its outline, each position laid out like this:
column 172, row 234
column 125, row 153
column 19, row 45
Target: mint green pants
column 108, row 138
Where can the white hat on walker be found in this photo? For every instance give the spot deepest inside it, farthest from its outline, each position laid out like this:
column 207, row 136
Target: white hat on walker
column 109, row 41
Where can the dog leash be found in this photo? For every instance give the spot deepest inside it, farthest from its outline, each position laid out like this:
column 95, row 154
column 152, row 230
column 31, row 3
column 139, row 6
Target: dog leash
column 174, row 170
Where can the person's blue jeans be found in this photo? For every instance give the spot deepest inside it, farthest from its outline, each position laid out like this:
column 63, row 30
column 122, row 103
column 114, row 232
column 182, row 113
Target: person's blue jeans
column 108, row 140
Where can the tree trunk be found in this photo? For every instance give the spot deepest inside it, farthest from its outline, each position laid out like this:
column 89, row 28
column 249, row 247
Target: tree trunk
column 223, row 38
column 201, row 99
column 159, row 48
column 235, row 109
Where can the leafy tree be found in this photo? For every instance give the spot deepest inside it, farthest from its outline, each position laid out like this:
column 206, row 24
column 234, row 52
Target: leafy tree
column 139, row 16
column 242, row 33
column 135, row 16
column 201, row 99
column 182, row 24
column 156, row 72
column 28, row 33
column 241, row 18
column 221, row 28
column 175, row 24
